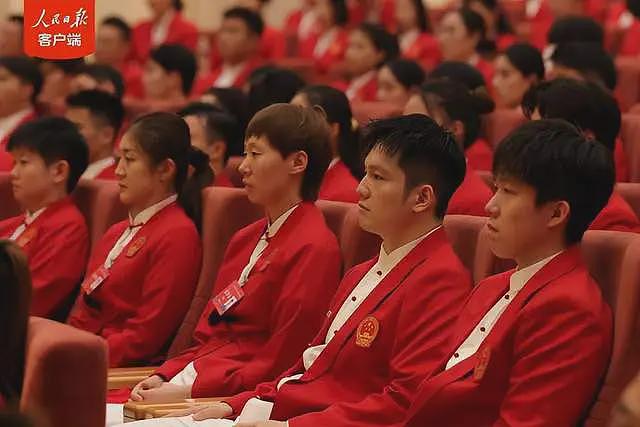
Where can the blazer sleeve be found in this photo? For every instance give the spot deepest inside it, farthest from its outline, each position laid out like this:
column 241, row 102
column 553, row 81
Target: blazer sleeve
column 559, row 347
column 167, row 291
column 422, row 340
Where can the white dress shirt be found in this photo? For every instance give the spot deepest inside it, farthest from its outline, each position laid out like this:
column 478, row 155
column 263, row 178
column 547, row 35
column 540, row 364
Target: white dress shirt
column 407, row 39
column 228, row 75
column 517, row 281
column 359, row 82
column 160, row 30
column 324, row 42
column 28, row 220
column 96, row 168
column 8, row 124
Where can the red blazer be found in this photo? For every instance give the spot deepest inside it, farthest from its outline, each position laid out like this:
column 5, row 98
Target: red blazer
column 540, row 25
column 630, row 45
column 503, row 42
column 486, row 69
column 541, row 364
column 424, row 50
column 181, row 31
column 367, row 92
column 471, row 197
column 273, row 45
column 6, row 161
column 108, row 172
column 143, row 301
column 203, row 83
column 285, row 299
column 332, row 56
column 132, row 77
column 57, row 245
column 348, row 385
column 617, row 215
column 386, row 14
column 480, row 155
column 339, row 185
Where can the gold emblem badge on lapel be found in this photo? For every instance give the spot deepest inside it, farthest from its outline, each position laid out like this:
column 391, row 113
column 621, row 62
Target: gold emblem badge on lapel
column 367, row 332
column 28, row 235
column 484, row 355
column 135, row 246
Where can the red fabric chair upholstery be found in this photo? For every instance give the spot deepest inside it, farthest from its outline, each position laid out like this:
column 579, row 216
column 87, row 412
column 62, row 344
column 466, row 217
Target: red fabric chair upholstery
column 8, row 205
column 613, row 259
column 628, row 88
column 463, row 232
column 99, row 202
column 363, row 112
column 497, row 125
column 630, row 192
column 225, row 211
column 335, row 214
column 630, row 135
column 65, row 379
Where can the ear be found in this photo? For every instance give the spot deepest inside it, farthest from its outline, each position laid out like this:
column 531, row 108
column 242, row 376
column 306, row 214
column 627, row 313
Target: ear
column 560, row 212
column 107, row 135
column 457, row 128
column 425, row 199
column 167, row 170
column 217, row 150
column 298, row 162
column 59, row 171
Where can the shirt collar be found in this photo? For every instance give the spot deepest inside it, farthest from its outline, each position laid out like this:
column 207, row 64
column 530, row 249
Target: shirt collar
column 144, row 216
column 358, row 82
column 95, row 168
column 407, row 39
column 386, row 261
column 274, row 227
column 30, row 217
column 520, row 277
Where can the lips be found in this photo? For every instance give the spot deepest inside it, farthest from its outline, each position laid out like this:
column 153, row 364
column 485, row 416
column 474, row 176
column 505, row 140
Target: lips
column 363, row 207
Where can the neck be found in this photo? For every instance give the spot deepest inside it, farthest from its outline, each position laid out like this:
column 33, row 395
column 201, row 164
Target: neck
column 19, row 107
column 540, row 252
column 157, row 198
column 53, row 197
column 408, row 233
column 275, row 210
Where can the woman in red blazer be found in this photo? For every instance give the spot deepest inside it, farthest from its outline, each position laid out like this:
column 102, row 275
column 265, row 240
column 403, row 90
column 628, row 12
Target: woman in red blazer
column 167, row 26
column 414, row 33
column 142, row 274
column 345, row 170
column 517, row 69
column 398, row 79
column 500, row 34
column 327, row 43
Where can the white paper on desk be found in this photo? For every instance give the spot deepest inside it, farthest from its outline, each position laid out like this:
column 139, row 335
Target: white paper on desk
column 114, row 414
column 255, row 410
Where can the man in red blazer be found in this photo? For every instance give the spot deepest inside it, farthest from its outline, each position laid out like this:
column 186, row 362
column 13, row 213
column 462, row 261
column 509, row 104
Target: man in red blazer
column 527, row 336
column 388, row 325
column 98, row 116
column 49, row 155
column 21, row 84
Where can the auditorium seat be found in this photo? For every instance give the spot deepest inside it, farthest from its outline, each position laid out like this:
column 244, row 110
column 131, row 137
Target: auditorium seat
column 8, row 205
column 99, row 202
column 363, row 111
column 630, row 192
column 628, row 88
column 630, row 135
column 65, row 375
column 335, row 214
column 613, row 259
column 498, row 124
column 224, row 212
column 463, row 231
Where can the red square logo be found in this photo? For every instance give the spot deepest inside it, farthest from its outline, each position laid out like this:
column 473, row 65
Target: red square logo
column 59, row 29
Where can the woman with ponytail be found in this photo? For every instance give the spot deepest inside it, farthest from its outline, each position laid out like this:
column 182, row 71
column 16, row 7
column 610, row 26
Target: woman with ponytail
column 453, row 106
column 345, row 170
column 142, row 274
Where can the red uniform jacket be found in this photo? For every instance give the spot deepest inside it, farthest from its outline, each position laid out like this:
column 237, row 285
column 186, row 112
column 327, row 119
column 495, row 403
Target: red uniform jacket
column 332, row 56
column 386, row 14
column 132, row 77
column 366, row 92
column 181, row 31
column 285, row 299
column 541, row 363
column 414, row 306
column 142, row 302
column 273, row 45
column 630, row 45
column 424, row 50
column 471, row 197
column 57, row 245
column 108, row 173
column 486, row 69
column 339, row 185
column 503, row 42
column 480, row 155
column 6, row 161
column 203, row 83
column 617, row 215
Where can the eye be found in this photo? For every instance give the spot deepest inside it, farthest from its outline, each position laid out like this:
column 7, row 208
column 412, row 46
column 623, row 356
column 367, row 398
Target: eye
column 377, row 176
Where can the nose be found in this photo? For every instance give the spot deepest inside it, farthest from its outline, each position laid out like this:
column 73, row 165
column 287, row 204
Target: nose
column 362, row 189
column 120, row 168
column 243, row 168
column 492, row 207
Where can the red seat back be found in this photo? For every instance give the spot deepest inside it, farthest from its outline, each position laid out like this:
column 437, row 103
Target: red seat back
column 630, row 135
column 463, row 232
column 630, row 192
column 498, row 124
column 8, row 205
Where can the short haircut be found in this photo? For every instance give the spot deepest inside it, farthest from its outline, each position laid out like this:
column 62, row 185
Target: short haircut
column 26, row 70
column 422, row 15
column 119, row 24
column 585, row 105
column 102, row 106
column 175, row 57
column 219, row 125
column 105, row 73
column 634, row 7
column 527, row 59
column 290, row 128
column 458, row 103
column 233, row 101
column 408, row 73
column 570, row 29
column 271, row 85
column 54, row 139
column 588, row 59
column 252, row 19
column 340, row 12
column 554, row 158
column 426, row 153
column 382, row 40
column 473, row 22
column 460, row 72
